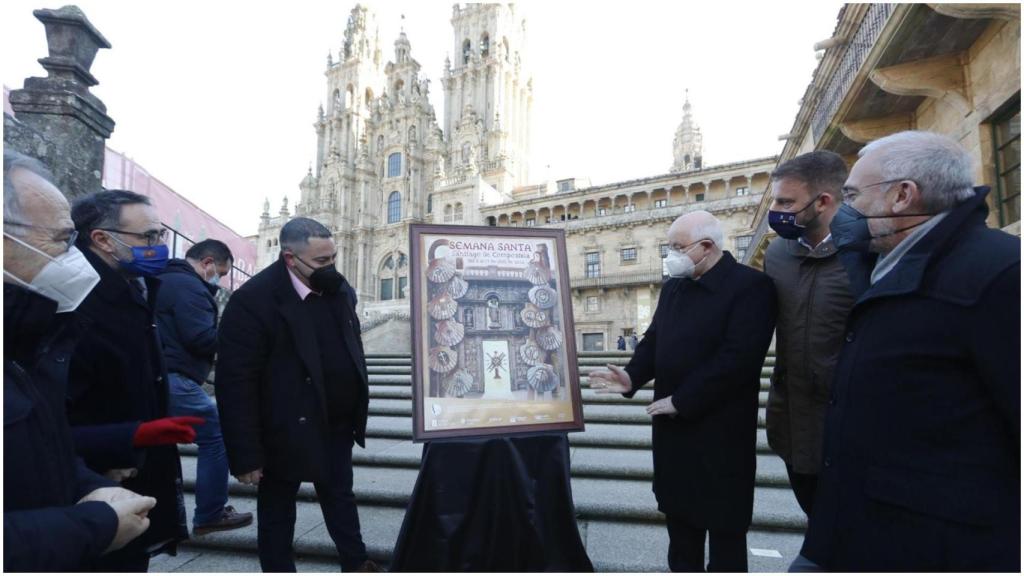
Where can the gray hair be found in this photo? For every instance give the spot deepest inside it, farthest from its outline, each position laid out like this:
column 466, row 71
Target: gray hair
column 940, row 166
column 297, row 232
column 712, row 229
column 14, row 160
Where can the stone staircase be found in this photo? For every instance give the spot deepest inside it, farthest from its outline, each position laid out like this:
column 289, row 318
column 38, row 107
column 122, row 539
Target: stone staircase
column 611, row 482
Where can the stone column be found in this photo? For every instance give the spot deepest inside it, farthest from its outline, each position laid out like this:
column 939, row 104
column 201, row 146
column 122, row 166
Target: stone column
column 69, row 123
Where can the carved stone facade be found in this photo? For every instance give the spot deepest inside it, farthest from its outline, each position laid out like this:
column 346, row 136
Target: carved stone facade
column 384, row 162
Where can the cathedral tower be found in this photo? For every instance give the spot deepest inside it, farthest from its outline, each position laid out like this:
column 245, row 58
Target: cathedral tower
column 488, row 94
column 688, row 145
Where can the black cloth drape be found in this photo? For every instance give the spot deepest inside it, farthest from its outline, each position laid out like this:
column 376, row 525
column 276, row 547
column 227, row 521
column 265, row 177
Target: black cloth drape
column 500, row 504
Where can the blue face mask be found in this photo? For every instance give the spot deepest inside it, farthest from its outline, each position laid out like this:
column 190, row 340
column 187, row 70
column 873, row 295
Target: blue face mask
column 146, row 260
column 784, row 223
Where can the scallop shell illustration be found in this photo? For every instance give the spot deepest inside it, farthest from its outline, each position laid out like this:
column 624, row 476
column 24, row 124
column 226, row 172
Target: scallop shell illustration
column 442, row 307
column 442, row 359
column 543, row 296
column 549, row 338
column 531, row 353
column 458, row 384
column 441, row 270
column 542, row 378
column 449, row 332
column 534, row 317
column 457, row 287
column 537, row 274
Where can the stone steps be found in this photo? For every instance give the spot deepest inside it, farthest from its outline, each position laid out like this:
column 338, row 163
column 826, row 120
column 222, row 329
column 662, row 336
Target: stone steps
column 612, row 546
column 611, row 470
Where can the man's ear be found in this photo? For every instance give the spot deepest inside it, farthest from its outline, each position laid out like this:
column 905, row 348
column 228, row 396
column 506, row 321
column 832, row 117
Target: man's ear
column 907, row 194
column 102, row 240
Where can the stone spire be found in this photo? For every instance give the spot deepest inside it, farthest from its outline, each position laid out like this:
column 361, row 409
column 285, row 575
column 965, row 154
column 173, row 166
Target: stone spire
column 688, row 145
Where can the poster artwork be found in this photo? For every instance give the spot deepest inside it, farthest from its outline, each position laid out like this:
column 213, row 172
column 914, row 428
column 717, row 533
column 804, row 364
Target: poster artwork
column 493, row 346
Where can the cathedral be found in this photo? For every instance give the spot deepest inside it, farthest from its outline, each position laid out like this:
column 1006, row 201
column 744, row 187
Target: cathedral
column 384, row 161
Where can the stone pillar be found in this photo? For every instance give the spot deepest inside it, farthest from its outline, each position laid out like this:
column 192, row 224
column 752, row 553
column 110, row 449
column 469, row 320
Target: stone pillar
column 71, row 121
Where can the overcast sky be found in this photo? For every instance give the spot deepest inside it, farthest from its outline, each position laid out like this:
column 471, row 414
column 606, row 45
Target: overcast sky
column 217, row 98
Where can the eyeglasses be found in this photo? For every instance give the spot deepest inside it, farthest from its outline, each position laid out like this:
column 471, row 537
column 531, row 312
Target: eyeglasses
column 850, row 192
column 153, row 237
column 71, row 232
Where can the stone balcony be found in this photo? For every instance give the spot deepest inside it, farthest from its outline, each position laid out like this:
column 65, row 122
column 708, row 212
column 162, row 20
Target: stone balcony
column 634, row 278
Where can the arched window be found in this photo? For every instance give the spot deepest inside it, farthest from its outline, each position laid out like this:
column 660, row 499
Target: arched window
column 336, row 102
column 485, row 46
column 430, row 203
column 393, row 277
column 369, row 97
column 492, row 221
column 467, row 50
column 350, row 95
column 399, row 84
column 448, row 213
column 394, row 207
column 458, row 212
column 465, row 152
column 395, row 165
column 412, row 134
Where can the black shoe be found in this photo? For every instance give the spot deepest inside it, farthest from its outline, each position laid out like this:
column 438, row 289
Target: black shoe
column 229, row 520
column 369, row 566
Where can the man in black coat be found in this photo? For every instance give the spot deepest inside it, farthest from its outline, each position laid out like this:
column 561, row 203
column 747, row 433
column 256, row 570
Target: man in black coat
column 58, row 514
column 293, row 395
column 117, row 397
column 704, row 349
column 921, row 460
column 186, row 314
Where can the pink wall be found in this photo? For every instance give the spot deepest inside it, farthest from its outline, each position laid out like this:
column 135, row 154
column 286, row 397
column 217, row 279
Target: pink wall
column 177, row 213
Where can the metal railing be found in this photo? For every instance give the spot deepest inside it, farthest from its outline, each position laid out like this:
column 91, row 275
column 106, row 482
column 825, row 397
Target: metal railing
column 178, row 250
column 649, row 276
column 856, row 53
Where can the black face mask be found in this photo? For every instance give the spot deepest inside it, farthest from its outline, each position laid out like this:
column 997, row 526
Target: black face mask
column 325, row 279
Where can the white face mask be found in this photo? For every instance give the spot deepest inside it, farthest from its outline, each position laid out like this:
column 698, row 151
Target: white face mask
column 679, row 265
column 66, row 279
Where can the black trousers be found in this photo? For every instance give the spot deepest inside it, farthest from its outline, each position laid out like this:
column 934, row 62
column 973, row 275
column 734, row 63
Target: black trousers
column 805, row 486
column 727, row 550
column 275, row 511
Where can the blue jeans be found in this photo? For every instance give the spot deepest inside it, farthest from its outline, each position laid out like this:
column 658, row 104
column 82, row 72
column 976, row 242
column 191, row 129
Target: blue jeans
column 189, row 399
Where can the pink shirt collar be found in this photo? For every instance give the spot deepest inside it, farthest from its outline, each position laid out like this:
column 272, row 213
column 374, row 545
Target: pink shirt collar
column 301, row 289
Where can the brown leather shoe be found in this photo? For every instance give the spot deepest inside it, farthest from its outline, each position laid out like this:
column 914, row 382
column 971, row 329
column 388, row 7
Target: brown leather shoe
column 230, row 519
column 369, row 566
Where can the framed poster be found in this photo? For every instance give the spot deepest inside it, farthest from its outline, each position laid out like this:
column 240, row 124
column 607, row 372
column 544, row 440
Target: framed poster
column 494, row 351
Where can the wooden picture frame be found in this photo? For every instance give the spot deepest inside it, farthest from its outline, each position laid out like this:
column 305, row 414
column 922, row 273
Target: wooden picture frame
column 494, row 349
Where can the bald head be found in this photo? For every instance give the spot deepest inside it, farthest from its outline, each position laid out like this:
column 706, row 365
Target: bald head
column 694, row 227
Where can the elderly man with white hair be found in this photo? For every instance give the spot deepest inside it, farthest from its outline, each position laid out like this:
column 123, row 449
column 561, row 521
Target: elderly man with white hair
column 704, row 349
column 921, row 453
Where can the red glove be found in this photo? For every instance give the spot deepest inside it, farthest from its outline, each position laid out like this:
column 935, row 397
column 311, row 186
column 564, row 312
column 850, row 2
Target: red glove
column 165, row 431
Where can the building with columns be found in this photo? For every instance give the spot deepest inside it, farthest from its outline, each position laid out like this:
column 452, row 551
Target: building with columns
column 384, row 161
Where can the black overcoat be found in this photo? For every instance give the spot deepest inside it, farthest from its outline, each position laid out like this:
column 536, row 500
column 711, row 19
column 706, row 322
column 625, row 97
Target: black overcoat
column 921, row 459
column 44, row 531
column 269, row 379
column 117, row 380
column 705, row 348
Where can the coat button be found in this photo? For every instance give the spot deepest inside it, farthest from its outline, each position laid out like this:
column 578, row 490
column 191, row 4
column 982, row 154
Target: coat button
column 159, row 378
column 849, row 336
column 302, row 419
column 153, row 326
column 828, row 462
